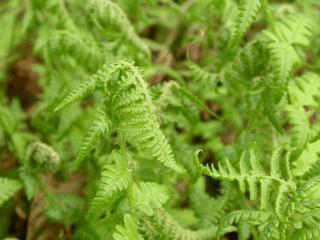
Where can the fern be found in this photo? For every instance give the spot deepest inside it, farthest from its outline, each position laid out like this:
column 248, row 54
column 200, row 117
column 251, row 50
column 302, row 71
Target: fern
column 305, row 90
column 248, row 10
column 128, row 231
column 114, row 178
column 238, row 79
column 300, row 125
column 66, row 43
column 254, row 175
column 100, row 125
column 106, row 13
column 132, row 112
column 39, row 158
column 163, row 225
column 249, row 216
column 8, row 188
column 149, row 196
column 249, row 63
column 293, row 30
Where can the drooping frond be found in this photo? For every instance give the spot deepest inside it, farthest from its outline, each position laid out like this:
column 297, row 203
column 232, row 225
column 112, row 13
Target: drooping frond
column 115, row 177
column 130, row 109
column 8, row 187
column 248, row 10
column 107, row 14
column 128, row 231
column 149, row 196
column 163, row 226
column 252, row 175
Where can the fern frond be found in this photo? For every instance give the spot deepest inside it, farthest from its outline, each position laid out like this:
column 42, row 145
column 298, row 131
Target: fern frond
column 149, row 196
column 198, row 74
column 39, row 157
column 300, row 126
column 206, row 208
column 249, row 216
column 98, row 128
column 130, row 109
column 8, row 187
column 72, row 44
column 248, row 10
column 79, row 93
column 109, row 14
column 114, row 179
column 252, row 176
column 163, row 226
column 313, row 171
column 128, row 231
column 295, row 29
column 283, row 58
column 249, row 63
column 305, row 90
column 308, row 233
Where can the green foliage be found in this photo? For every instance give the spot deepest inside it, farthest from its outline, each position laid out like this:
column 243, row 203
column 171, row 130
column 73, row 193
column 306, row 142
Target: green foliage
column 8, row 188
column 150, row 82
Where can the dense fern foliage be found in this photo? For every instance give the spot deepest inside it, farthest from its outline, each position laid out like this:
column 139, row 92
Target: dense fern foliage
column 160, row 119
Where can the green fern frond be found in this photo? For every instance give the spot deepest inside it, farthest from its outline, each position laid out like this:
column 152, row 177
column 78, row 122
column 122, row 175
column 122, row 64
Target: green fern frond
column 198, row 74
column 130, row 108
column 67, row 43
column 295, row 29
column 308, row 233
column 313, row 171
column 42, row 156
column 128, row 231
column 149, row 196
column 115, row 178
column 8, row 187
column 248, row 10
column 79, row 93
column 305, row 90
column 249, row 63
column 300, row 126
column 163, row 226
column 283, row 58
column 39, row 157
column 254, row 217
column 107, row 14
column 98, row 128
column 252, row 176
